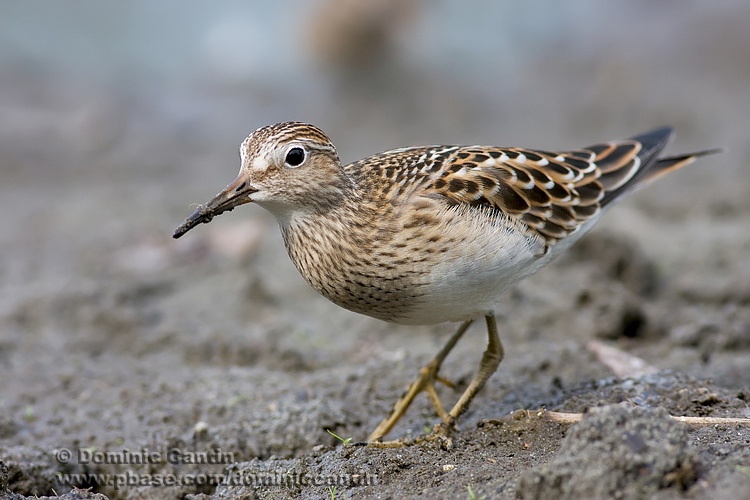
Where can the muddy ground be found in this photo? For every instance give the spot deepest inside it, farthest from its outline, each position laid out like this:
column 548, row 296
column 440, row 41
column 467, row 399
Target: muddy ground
column 119, row 344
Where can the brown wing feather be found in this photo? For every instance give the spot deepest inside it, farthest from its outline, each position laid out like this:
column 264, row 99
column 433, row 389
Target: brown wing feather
column 553, row 193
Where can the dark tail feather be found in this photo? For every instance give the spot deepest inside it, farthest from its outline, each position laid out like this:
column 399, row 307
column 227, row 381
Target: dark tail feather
column 670, row 163
column 653, row 141
column 653, row 167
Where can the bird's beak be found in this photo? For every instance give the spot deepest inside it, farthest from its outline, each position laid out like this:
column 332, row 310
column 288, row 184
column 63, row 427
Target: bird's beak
column 237, row 193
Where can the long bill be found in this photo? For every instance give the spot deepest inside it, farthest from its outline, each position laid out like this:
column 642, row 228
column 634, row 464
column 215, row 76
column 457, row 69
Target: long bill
column 235, row 194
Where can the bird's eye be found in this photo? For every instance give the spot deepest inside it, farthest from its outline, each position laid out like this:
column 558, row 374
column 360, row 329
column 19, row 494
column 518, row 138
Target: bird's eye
column 295, row 157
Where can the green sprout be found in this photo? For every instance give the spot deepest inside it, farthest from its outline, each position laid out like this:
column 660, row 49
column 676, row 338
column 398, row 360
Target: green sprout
column 343, row 441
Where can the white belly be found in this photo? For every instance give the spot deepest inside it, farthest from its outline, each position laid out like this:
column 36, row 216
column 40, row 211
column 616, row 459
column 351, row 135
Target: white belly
column 471, row 280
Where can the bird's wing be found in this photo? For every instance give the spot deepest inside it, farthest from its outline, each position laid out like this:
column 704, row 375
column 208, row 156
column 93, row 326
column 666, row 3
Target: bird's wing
column 554, row 194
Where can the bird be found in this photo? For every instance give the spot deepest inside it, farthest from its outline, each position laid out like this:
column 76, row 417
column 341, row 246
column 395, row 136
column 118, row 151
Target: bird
column 431, row 234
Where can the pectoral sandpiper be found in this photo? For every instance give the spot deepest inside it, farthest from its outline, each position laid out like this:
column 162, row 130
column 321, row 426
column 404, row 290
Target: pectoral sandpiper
column 423, row 235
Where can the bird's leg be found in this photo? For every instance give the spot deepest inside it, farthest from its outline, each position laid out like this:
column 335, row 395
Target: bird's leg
column 425, row 382
column 491, row 358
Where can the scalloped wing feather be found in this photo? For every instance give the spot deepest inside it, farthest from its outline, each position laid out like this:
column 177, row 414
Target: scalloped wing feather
column 552, row 193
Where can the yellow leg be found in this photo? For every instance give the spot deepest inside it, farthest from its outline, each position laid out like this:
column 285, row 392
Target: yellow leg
column 492, row 357
column 425, row 382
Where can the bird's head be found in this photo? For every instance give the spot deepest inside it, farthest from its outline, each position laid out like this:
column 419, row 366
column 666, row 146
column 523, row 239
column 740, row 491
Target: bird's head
column 288, row 168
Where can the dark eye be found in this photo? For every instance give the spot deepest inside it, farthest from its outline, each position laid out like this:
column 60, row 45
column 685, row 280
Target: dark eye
column 295, row 157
